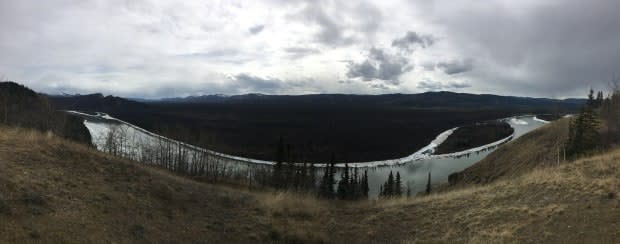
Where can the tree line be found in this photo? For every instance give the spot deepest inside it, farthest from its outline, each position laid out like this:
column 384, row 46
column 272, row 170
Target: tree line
column 597, row 126
column 302, row 177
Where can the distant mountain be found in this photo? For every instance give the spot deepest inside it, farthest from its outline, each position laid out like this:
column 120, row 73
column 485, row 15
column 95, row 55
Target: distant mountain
column 195, row 99
column 95, row 103
column 421, row 100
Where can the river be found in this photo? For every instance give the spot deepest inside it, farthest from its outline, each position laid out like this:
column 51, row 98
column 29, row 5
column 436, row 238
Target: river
column 414, row 169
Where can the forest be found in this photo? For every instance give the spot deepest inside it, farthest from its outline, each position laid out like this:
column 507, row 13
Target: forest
column 472, row 136
column 356, row 128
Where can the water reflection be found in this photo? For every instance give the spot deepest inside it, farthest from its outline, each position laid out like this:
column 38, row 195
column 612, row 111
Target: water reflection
column 415, row 174
column 138, row 144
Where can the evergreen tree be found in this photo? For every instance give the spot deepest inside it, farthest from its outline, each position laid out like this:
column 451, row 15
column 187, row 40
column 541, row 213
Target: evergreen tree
column 355, row 185
column 347, row 178
column 312, row 177
column 599, row 99
column 343, row 184
column 365, row 188
column 398, row 185
column 389, row 185
column 583, row 135
column 323, row 187
column 303, row 177
column 428, row 184
column 277, row 177
column 591, row 101
column 331, row 181
column 290, row 169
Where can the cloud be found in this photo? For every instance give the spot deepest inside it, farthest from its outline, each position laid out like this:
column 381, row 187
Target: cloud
column 555, row 48
column 246, row 83
column 411, row 38
column 300, row 52
column 256, row 83
column 379, row 65
column 254, row 30
column 456, row 67
column 535, row 48
column 340, row 23
column 430, row 85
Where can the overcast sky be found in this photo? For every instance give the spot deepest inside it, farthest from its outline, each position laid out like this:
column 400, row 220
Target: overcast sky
column 151, row 49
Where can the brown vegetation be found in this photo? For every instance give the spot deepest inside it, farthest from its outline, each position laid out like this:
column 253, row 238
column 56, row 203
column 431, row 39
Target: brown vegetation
column 542, row 147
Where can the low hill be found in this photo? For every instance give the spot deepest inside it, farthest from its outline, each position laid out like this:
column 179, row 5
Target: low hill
column 52, row 190
column 22, row 107
column 538, row 148
column 96, row 103
column 422, row 100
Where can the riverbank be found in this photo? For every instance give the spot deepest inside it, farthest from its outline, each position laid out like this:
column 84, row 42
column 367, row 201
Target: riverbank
column 539, row 148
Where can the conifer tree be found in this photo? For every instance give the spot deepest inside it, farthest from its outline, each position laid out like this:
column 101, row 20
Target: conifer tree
column 277, row 177
column 331, row 181
column 312, row 177
column 323, row 187
column 347, row 176
column 290, row 169
column 583, row 133
column 397, row 185
column 389, row 185
column 428, row 184
column 365, row 188
column 343, row 184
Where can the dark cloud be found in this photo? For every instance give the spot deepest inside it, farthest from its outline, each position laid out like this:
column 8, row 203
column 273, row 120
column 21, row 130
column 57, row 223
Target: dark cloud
column 257, row 83
column 364, row 20
column 380, row 65
column 256, row 29
column 410, row 39
column 246, row 83
column 430, row 85
column 455, row 67
column 330, row 32
column 300, row 52
column 536, row 48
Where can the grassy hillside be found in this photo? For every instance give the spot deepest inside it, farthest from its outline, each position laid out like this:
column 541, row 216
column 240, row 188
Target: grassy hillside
column 538, row 148
column 52, row 190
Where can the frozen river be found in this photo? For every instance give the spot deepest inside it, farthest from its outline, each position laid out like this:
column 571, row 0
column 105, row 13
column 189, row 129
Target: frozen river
column 137, row 144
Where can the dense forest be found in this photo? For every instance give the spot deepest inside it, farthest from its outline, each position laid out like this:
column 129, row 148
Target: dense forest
column 357, row 127
column 22, row 107
column 472, row 136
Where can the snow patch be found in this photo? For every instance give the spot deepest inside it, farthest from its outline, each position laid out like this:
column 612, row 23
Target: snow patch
column 517, row 121
column 540, row 120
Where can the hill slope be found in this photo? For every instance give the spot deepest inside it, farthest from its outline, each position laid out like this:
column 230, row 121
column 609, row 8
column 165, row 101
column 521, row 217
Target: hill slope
column 538, row 148
column 21, row 106
column 53, row 190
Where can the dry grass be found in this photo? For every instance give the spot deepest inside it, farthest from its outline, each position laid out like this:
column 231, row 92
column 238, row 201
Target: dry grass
column 57, row 191
column 536, row 149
